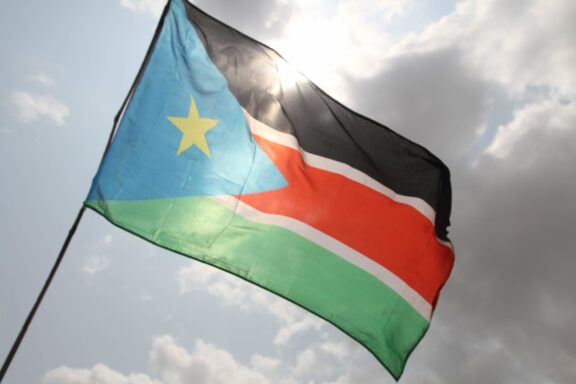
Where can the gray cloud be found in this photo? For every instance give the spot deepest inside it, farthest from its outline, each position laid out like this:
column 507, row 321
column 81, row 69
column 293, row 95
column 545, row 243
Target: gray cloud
column 432, row 98
column 516, row 258
column 507, row 311
column 258, row 18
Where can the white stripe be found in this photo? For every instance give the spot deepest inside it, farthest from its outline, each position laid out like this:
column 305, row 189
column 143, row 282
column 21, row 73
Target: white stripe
column 259, row 128
column 334, row 246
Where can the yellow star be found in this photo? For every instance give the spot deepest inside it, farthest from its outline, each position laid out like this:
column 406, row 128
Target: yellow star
column 193, row 129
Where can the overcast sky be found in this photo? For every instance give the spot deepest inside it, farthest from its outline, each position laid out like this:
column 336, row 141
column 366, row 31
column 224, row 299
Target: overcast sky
column 487, row 85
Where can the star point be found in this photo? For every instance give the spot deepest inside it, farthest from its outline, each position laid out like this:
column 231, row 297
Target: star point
column 193, row 129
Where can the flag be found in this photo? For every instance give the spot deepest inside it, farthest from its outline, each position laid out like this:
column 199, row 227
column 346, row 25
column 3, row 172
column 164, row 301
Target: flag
column 227, row 155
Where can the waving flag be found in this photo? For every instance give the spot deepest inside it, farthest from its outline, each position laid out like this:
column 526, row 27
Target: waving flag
column 226, row 155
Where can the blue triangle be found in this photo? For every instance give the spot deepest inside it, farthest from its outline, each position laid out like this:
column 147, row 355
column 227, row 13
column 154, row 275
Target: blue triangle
column 142, row 162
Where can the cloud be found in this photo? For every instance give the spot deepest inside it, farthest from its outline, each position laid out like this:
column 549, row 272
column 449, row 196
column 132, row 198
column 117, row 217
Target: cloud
column 257, row 18
column 518, row 44
column 199, row 276
column 328, row 46
column 173, row 364
column 539, row 131
column 323, row 41
column 41, row 79
column 433, row 98
column 96, row 263
column 505, row 316
column 342, row 43
column 98, row 260
column 99, row 374
column 292, row 328
column 151, row 7
column 235, row 291
column 31, row 107
column 264, row 363
column 308, row 361
column 206, row 364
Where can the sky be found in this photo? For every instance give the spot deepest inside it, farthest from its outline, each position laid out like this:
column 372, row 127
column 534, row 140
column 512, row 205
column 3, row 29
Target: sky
column 488, row 86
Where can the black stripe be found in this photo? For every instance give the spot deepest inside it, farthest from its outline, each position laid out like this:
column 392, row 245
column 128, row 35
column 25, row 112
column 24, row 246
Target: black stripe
column 322, row 125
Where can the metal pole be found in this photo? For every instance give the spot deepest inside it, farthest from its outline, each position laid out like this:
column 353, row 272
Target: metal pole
column 32, row 313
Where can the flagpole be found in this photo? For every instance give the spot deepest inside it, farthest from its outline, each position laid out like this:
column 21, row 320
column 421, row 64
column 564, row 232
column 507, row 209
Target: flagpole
column 72, row 231
column 40, row 297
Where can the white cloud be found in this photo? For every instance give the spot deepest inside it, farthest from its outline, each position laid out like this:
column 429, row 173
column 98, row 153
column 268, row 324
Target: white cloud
column 325, row 40
column 518, row 44
column 32, row 107
column 206, row 364
column 327, row 360
column 264, row 363
column 287, row 331
column 98, row 260
column 326, row 48
column 96, row 263
column 41, row 79
column 537, row 132
column 306, row 361
column 152, row 7
column 199, row 276
column 99, row 374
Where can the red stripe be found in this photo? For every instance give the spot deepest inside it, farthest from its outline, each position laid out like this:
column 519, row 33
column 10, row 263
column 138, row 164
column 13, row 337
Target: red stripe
column 394, row 235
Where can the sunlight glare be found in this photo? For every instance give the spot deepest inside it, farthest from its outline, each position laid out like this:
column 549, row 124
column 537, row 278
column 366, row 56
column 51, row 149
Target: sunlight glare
column 289, row 75
column 314, row 51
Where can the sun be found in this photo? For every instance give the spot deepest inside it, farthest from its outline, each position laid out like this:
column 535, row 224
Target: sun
column 310, row 52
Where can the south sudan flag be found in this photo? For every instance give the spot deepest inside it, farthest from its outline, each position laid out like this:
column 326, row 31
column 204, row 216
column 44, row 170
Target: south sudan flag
column 226, row 155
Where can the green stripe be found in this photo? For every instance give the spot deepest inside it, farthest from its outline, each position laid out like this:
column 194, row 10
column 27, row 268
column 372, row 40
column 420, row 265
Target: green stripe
column 282, row 262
